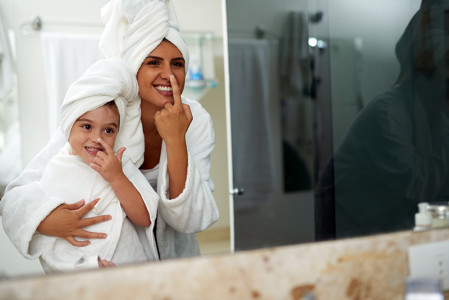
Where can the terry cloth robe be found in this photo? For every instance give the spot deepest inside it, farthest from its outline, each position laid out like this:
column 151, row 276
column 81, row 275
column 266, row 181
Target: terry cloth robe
column 68, row 177
column 25, row 204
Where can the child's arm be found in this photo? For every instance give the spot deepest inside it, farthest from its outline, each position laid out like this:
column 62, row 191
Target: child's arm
column 110, row 168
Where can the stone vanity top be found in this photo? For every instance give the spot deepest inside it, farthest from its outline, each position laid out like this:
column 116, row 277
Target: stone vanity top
column 372, row 267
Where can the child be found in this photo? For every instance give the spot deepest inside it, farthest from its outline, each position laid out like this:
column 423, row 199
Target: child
column 87, row 168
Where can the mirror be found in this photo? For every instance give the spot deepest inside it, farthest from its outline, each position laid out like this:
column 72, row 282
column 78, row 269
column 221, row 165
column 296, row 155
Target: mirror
column 393, row 154
column 351, row 121
column 348, row 58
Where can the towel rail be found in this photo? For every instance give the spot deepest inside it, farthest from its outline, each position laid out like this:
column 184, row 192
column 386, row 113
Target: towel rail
column 33, row 28
column 259, row 32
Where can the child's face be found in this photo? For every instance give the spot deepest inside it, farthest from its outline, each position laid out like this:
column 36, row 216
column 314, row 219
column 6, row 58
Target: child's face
column 103, row 123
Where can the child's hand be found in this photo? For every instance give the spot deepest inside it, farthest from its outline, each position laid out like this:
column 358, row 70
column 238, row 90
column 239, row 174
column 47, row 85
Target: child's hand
column 107, row 164
column 103, row 263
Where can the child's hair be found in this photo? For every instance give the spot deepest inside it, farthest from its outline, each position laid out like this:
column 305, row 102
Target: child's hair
column 111, row 104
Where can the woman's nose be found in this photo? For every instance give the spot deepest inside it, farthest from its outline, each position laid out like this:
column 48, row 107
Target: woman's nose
column 166, row 72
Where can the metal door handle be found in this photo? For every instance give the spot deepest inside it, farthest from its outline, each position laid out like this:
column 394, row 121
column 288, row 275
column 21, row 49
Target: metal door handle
column 237, row 191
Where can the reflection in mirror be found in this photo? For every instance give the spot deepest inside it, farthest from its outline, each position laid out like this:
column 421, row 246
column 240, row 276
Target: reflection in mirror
column 348, row 110
column 394, row 154
column 70, row 20
column 271, row 123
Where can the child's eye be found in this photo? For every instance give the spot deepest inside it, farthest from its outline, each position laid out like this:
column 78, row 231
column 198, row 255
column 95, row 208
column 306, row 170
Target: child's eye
column 86, row 126
column 109, row 130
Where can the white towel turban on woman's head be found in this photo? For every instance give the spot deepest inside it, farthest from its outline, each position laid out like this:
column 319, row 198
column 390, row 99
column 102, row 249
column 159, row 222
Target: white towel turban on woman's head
column 134, row 28
column 106, row 80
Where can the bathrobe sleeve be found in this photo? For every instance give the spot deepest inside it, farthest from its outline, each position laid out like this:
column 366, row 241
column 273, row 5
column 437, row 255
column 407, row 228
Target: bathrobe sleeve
column 194, row 209
column 149, row 196
column 23, row 207
column 54, row 264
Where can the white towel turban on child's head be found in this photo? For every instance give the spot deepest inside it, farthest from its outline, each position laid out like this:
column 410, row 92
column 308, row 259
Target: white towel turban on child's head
column 106, row 80
column 134, row 28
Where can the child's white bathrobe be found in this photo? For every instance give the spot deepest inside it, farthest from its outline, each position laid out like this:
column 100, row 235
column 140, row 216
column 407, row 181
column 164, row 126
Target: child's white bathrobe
column 68, row 177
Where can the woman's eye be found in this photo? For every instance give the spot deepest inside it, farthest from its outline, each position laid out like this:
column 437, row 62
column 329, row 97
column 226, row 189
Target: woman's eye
column 178, row 64
column 153, row 62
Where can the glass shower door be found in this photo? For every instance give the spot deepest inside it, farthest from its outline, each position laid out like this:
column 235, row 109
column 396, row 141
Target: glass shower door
column 271, row 127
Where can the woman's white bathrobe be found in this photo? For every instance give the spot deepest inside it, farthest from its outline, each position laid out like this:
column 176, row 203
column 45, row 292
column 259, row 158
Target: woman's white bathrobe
column 25, row 204
column 68, row 177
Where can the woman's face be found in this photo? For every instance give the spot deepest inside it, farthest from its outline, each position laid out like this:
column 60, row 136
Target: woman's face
column 153, row 76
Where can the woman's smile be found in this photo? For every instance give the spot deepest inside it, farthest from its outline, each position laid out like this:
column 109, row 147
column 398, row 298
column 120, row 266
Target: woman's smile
column 164, row 90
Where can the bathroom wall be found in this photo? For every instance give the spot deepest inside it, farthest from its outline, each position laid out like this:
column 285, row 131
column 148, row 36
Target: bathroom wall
column 193, row 16
column 367, row 268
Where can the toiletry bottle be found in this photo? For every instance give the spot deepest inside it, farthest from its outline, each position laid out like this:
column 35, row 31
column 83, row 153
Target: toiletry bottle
column 423, row 219
column 438, row 212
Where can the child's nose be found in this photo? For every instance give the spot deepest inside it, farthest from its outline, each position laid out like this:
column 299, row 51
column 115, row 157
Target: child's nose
column 95, row 135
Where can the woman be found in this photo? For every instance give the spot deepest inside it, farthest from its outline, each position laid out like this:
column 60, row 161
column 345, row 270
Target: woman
column 178, row 141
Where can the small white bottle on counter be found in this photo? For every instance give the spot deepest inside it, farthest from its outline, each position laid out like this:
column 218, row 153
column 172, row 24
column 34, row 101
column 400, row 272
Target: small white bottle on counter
column 438, row 211
column 423, row 219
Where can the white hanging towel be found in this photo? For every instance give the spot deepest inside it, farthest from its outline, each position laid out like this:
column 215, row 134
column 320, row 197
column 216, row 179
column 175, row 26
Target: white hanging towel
column 7, row 80
column 10, row 156
column 66, row 57
column 252, row 138
column 295, row 77
column 294, row 54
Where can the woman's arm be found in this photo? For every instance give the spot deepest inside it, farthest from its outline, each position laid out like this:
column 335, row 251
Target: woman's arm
column 25, row 207
column 194, row 209
column 56, row 262
column 172, row 124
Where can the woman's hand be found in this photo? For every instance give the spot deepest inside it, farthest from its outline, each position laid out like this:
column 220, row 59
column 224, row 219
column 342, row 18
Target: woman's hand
column 173, row 121
column 66, row 222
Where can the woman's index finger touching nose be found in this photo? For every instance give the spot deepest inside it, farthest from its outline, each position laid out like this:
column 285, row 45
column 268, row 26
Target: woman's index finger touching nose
column 176, row 91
